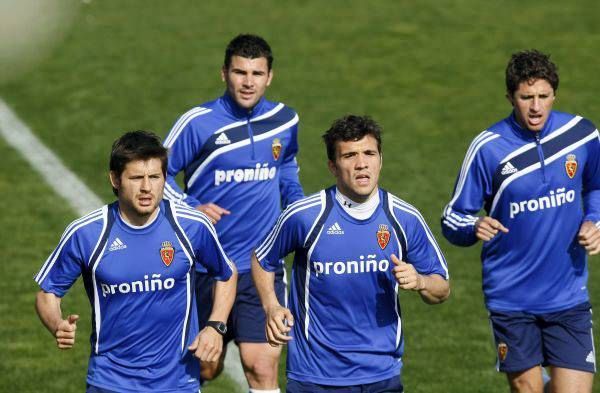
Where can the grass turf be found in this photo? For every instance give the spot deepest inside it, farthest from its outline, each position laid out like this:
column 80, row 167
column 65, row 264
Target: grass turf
column 430, row 72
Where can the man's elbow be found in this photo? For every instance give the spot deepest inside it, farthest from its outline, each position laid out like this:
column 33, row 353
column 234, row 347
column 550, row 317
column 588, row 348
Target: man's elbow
column 439, row 297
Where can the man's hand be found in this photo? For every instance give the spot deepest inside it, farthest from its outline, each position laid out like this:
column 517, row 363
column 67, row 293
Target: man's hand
column 208, row 345
column 406, row 275
column 65, row 332
column 589, row 237
column 279, row 323
column 487, row 227
column 213, row 211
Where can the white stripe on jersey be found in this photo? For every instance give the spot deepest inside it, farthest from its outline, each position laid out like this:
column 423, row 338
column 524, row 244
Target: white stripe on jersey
column 307, row 280
column 477, row 144
column 457, row 221
column 391, row 207
column 188, row 304
column 283, row 216
column 71, row 229
column 203, row 218
column 292, row 209
column 198, row 216
column 172, row 195
column 94, row 264
column 104, row 224
column 535, row 166
column 556, row 133
column 257, row 118
column 188, row 308
column 182, row 123
column 399, row 328
column 242, row 143
column 400, row 204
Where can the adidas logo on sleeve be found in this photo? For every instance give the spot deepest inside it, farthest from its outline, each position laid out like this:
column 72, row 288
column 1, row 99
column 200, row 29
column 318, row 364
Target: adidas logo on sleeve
column 222, row 139
column 117, row 244
column 335, row 229
column 508, row 169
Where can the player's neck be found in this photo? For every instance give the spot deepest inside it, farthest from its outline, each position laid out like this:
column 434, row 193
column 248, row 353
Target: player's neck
column 360, row 211
column 137, row 221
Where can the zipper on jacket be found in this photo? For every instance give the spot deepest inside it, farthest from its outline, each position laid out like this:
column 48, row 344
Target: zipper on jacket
column 541, row 155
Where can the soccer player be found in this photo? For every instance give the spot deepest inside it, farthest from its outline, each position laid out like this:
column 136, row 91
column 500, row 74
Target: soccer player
column 238, row 155
column 137, row 257
column 355, row 247
column 536, row 174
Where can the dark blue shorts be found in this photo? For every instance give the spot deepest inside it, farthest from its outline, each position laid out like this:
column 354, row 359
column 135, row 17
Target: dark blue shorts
column 95, row 389
column 561, row 339
column 246, row 322
column 391, row 385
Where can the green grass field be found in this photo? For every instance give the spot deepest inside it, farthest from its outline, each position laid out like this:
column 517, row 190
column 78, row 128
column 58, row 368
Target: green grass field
column 431, row 72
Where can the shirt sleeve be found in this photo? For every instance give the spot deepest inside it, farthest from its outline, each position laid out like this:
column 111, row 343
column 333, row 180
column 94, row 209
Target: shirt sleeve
column 64, row 265
column 423, row 252
column 210, row 254
column 472, row 186
column 591, row 182
column 183, row 147
column 282, row 239
column 289, row 182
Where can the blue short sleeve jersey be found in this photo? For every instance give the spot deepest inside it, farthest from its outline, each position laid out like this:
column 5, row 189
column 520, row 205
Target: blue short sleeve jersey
column 541, row 186
column 243, row 161
column 139, row 281
column 344, row 297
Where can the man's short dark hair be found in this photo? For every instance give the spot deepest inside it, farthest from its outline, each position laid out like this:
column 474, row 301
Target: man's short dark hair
column 249, row 46
column 133, row 146
column 530, row 65
column 350, row 128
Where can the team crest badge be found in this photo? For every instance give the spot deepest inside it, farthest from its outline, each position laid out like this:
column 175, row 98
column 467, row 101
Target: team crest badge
column 502, row 351
column 167, row 253
column 383, row 236
column 276, row 148
column 571, row 165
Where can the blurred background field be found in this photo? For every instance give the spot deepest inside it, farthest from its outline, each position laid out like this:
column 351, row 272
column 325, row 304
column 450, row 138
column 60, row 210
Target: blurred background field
column 431, row 72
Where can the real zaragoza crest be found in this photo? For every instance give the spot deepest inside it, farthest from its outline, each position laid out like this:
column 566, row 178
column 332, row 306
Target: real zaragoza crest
column 571, row 165
column 167, row 252
column 383, row 236
column 276, row 148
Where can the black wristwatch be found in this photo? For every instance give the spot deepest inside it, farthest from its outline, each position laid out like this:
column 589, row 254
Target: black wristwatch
column 219, row 326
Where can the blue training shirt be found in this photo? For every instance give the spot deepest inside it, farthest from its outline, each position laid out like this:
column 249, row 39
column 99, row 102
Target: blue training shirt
column 541, row 186
column 139, row 281
column 344, row 297
column 244, row 161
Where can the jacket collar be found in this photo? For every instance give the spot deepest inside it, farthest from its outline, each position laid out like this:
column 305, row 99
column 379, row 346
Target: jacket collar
column 526, row 134
column 237, row 111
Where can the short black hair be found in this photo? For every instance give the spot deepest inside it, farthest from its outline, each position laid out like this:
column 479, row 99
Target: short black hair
column 350, row 128
column 530, row 65
column 249, row 46
column 133, row 146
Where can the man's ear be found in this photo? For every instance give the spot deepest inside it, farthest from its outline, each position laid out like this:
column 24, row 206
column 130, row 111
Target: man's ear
column 270, row 77
column 332, row 168
column 114, row 180
column 509, row 97
column 223, row 73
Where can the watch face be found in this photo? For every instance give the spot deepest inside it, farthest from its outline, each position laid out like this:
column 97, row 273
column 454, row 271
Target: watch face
column 220, row 327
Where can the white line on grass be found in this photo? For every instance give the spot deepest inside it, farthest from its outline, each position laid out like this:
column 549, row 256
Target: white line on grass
column 83, row 200
column 64, row 182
